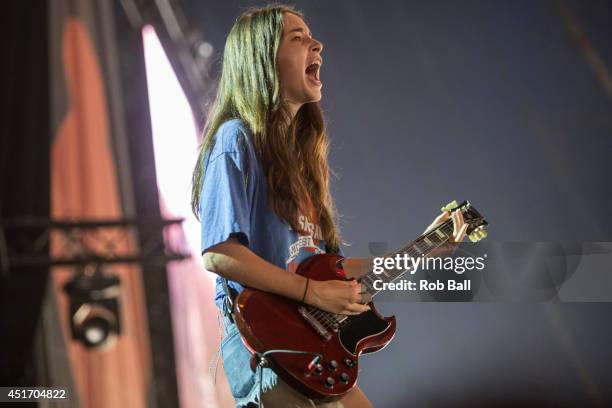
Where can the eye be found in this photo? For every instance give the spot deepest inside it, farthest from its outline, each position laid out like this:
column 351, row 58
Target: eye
column 297, row 38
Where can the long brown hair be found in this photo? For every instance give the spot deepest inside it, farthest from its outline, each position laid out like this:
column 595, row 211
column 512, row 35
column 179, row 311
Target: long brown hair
column 293, row 153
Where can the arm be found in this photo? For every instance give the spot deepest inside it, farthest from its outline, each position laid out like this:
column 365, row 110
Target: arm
column 236, row 262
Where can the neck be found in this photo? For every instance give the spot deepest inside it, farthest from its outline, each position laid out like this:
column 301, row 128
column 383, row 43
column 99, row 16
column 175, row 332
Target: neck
column 292, row 109
column 422, row 246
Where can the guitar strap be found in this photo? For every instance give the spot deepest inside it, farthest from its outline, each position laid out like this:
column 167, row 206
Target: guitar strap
column 228, row 300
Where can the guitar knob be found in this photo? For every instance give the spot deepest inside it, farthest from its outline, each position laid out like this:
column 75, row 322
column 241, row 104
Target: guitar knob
column 333, row 365
column 329, row 382
column 344, row 377
column 348, row 362
column 318, row 369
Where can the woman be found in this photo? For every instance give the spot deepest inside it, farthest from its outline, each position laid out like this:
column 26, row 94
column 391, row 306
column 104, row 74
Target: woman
column 261, row 188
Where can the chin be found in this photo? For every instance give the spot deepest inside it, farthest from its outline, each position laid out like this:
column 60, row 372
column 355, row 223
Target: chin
column 314, row 97
column 312, row 93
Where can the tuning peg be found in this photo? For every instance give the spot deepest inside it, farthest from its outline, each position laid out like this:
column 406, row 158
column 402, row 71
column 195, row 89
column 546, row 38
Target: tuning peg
column 481, row 234
column 474, row 236
column 450, row 206
column 478, row 234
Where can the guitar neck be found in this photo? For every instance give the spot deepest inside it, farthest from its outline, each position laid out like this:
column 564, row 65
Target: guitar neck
column 422, row 246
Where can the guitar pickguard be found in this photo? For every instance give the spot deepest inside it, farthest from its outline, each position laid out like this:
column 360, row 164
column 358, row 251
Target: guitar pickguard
column 357, row 328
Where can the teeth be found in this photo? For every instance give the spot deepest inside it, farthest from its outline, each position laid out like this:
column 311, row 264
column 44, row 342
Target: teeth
column 314, row 69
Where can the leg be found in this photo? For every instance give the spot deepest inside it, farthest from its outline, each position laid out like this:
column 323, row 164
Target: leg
column 355, row 399
column 282, row 395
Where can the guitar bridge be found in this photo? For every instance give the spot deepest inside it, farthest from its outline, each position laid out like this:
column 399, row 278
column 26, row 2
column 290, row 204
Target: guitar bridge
column 318, row 326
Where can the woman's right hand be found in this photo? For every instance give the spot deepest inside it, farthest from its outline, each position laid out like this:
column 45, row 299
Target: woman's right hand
column 336, row 296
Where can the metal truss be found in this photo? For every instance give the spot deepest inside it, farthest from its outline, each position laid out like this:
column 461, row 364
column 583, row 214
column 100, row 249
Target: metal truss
column 42, row 242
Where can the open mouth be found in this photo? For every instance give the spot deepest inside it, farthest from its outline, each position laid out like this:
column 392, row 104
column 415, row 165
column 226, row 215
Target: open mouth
column 312, row 71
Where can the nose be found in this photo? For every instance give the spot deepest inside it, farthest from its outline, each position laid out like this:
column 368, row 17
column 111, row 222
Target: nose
column 316, row 46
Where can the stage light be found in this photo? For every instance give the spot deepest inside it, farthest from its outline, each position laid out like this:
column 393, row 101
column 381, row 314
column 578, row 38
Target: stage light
column 94, row 307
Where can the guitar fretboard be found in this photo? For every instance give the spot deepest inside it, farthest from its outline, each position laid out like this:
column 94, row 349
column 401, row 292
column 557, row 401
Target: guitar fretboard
column 422, row 246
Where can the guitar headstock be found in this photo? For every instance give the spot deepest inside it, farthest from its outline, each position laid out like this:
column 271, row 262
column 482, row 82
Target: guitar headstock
column 477, row 225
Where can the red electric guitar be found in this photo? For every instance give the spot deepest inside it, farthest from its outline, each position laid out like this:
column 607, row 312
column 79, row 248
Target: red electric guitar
column 317, row 351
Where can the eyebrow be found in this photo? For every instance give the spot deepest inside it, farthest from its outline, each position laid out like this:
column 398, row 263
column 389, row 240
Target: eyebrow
column 300, row 29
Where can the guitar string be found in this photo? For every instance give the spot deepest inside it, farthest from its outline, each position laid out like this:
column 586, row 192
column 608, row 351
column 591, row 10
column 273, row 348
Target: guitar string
column 330, row 320
column 415, row 245
column 438, row 242
column 407, row 248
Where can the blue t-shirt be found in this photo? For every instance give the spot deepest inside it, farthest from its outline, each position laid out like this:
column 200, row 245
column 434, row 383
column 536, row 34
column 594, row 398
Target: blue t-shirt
column 233, row 202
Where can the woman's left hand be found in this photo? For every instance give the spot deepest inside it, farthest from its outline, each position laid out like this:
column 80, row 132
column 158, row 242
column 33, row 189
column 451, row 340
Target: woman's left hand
column 459, row 225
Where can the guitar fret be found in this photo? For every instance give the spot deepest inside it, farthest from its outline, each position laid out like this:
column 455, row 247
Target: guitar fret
column 448, row 229
column 420, row 247
column 412, row 252
column 428, row 246
column 434, row 237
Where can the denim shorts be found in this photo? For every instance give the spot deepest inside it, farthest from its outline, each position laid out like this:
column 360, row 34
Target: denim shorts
column 244, row 383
